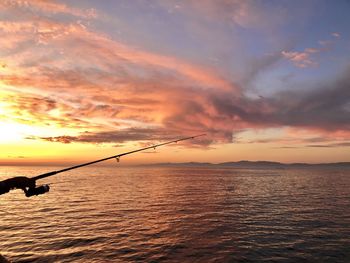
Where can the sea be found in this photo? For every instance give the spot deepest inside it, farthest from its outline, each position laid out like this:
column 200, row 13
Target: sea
column 178, row 214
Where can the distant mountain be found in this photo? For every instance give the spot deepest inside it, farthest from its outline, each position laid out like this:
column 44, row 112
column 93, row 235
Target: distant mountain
column 254, row 165
column 249, row 164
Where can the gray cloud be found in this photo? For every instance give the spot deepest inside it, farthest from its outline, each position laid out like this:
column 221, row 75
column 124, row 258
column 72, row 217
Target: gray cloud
column 331, row 145
column 120, row 136
column 325, row 107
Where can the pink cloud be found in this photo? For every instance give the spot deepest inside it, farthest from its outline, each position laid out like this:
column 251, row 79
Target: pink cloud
column 300, row 59
column 305, row 58
column 46, row 6
column 86, row 48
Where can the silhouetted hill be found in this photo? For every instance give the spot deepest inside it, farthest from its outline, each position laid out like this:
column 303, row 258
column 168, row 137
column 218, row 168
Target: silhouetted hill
column 249, row 164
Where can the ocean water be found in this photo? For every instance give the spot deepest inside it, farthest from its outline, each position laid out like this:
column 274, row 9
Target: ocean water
column 164, row 214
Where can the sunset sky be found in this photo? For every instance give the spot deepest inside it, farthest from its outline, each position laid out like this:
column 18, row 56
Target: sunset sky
column 265, row 80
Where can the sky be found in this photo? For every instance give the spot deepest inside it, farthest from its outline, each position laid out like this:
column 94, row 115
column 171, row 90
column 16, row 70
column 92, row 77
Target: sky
column 265, row 80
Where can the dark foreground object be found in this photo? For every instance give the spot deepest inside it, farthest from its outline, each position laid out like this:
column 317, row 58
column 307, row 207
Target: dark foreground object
column 28, row 185
column 3, row 260
column 24, row 183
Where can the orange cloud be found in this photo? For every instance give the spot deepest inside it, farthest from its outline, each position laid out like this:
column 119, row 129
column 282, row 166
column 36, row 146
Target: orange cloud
column 39, row 110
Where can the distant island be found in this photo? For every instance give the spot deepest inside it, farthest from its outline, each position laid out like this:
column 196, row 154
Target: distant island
column 254, row 165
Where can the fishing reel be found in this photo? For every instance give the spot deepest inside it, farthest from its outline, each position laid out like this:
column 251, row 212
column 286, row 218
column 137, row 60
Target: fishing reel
column 26, row 184
column 37, row 190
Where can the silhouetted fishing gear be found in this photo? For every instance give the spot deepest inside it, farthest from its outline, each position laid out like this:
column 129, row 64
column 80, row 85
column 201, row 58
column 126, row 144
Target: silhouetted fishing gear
column 38, row 190
column 28, row 185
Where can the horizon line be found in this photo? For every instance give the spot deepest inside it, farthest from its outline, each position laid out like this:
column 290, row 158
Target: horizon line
column 125, row 164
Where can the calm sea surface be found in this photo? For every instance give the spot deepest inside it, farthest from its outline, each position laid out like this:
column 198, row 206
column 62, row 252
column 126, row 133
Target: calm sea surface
column 179, row 215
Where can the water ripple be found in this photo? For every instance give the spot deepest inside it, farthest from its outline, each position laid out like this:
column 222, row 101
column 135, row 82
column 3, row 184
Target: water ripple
column 180, row 215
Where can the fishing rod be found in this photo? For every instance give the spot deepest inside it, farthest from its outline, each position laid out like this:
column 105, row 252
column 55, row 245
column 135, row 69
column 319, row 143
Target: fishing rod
column 28, row 185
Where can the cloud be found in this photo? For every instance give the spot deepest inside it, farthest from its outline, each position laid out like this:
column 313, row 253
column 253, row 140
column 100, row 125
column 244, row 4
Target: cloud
column 300, row 59
column 336, row 34
column 88, row 48
column 327, row 145
column 295, row 138
column 110, row 80
column 63, row 74
column 45, row 7
column 121, row 136
column 325, row 106
column 305, row 58
column 40, row 110
column 246, row 14
column 220, row 114
column 330, row 145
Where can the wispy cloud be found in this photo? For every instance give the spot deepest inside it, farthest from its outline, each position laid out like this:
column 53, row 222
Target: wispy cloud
column 45, row 6
column 246, row 14
column 121, row 136
column 336, row 34
column 305, row 58
column 300, row 59
column 329, row 145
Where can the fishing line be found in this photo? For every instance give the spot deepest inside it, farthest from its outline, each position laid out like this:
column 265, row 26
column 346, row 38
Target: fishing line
column 28, row 185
